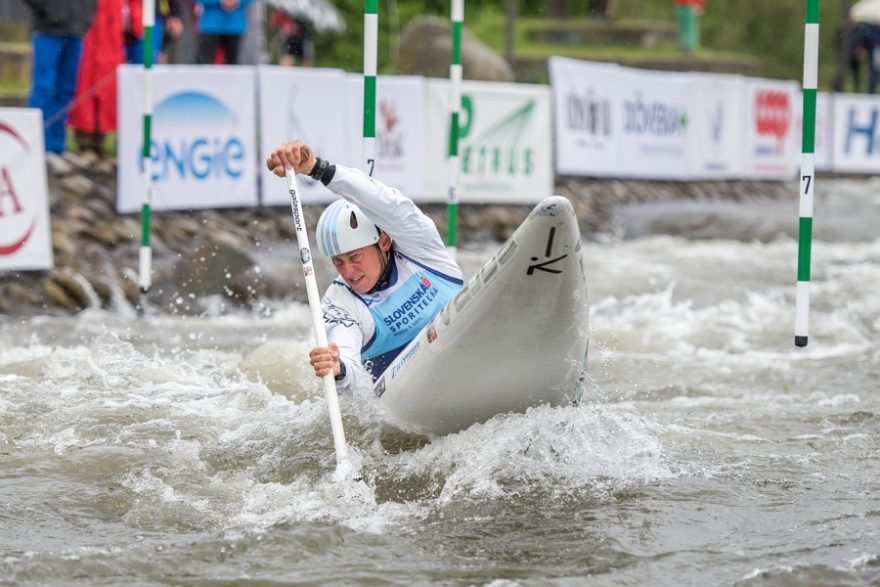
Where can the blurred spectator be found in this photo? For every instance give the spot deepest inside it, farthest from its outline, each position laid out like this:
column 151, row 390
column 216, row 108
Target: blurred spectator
column 168, row 19
column 58, row 29
column 93, row 113
column 687, row 13
column 222, row 23
column 865, row 46
column 604, row 9
column 296, row 45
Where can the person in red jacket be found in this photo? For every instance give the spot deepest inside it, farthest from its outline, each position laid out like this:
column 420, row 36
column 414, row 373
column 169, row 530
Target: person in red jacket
column 687, row 13
column 93, row 113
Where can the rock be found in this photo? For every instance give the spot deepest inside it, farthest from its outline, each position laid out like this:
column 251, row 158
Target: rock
column 78, row 185
column 425, row 49
column 72, row 287
column 57, row 165
column 62, row 244
column 57, row 294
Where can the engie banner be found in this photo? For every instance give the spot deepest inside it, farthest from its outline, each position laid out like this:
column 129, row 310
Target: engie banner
column 203, row 137
column 307, row 104
column 856, row 142
column 25, row 227
column 504, row 142
column 773, row 125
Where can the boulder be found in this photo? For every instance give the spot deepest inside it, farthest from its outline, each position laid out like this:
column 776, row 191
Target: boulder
column 426, row 46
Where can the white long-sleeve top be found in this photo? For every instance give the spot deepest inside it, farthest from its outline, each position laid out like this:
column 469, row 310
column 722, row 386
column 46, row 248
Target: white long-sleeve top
column 414, row 236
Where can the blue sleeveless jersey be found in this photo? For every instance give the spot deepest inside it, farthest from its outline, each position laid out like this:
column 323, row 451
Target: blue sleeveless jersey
column 414, row 295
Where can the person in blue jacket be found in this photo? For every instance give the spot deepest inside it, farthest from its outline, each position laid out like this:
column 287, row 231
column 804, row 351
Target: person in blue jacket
column 58, row 31
column 392, row 280
column 222, row 23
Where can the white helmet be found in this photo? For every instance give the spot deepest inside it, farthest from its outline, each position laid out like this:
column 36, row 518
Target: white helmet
column 343, row 227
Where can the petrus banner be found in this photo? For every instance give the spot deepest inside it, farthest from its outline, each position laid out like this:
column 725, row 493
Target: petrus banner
column 25, row 227
column 203, row 147
column 504, row 142
column 311, row 105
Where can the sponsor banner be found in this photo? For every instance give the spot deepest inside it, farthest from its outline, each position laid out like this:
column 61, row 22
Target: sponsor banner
column 401, row 131
column 823, row 148
column 504, row 142
column 856, row 124
column 308, row 104
column 25, row 227
column 654, row 124
column 203, row 147
column 772, row 128
column 715, row 126
column 585, row 104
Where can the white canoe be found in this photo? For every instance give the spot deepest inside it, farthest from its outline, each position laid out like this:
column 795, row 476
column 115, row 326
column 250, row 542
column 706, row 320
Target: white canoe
column 514, row 337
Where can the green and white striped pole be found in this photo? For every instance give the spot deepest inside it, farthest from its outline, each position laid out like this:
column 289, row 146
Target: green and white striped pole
column 146, row 251
column 371, row 42
column 455, row 75
column 808, row 184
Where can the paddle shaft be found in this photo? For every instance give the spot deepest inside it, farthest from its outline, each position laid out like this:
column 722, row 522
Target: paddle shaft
column 305, row 254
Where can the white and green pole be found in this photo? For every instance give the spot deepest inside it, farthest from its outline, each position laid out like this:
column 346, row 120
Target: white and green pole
column 371, row 42
column 146, row 251
column 455, row 75
column 807, row 183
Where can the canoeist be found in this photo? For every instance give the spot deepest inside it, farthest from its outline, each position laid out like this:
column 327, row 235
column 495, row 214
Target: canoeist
column 392, row 280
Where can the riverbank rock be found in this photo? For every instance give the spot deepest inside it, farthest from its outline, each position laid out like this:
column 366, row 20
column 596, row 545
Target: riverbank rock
column 244, row 257
column 426, row 37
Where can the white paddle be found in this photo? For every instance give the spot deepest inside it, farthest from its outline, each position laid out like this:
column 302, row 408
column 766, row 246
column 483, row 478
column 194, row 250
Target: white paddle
column 344, row 468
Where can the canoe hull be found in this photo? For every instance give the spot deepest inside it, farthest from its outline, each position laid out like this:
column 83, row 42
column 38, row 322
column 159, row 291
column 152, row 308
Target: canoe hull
column 516, row 335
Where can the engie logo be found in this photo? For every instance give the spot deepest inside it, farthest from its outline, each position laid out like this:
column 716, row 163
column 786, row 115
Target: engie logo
column 500, row 150
column 773, row 116
column 17, row 220
column 195, row 139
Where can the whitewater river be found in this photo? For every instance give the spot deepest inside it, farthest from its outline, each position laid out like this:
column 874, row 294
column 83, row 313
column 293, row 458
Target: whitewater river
column 708, row 450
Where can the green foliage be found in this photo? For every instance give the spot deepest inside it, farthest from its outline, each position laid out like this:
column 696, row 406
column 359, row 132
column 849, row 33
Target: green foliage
column 770, row 30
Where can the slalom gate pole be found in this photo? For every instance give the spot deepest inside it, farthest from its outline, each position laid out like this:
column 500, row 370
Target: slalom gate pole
column 371, row 41
column 807, row 179
column 146, row 252
column 455, row 75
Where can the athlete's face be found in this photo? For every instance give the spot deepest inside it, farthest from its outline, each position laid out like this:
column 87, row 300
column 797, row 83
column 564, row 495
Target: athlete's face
column 362, row 268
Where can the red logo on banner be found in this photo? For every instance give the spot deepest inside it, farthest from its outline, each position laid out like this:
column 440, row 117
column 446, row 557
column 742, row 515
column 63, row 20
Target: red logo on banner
column 773, row 115
column 10, row 203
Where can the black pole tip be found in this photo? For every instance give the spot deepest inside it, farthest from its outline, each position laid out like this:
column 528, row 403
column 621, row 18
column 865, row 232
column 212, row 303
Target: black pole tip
column 800, row 341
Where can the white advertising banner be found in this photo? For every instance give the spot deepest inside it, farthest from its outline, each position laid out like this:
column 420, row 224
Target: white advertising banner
column 772, row 128
column 308, row 104
column 856, row 125
column 585, row 101
column 823, row 147
column 401, row 131
column 25, row 227
column 715, row 126
column 504, row 142
column 654, row 124
column 203, row 146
